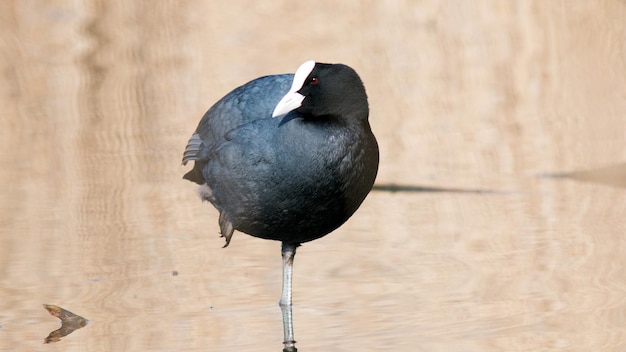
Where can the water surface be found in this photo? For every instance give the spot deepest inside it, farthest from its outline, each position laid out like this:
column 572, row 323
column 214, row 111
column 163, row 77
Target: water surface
column 515, row 110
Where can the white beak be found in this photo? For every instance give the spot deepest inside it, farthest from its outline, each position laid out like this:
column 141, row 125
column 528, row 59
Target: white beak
column 292, row 100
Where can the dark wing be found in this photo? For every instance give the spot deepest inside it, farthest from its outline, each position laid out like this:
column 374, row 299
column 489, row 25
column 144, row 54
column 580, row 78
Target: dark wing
column 252, row 101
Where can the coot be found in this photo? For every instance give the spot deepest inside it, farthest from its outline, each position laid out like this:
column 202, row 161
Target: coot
column 287, row 158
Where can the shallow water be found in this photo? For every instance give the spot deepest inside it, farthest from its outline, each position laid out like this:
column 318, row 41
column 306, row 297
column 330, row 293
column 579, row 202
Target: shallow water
column 498, row 222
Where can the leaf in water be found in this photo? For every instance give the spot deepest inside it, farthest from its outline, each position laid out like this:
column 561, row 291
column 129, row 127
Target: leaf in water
column 69, row 322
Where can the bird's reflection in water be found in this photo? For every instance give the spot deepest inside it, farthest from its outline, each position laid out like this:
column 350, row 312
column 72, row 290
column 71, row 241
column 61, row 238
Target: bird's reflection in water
column 69, row 323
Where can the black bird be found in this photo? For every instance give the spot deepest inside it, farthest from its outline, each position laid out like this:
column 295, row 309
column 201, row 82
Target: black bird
column 288, row 158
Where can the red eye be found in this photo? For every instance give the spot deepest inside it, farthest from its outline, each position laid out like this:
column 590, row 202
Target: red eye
column 314, row 80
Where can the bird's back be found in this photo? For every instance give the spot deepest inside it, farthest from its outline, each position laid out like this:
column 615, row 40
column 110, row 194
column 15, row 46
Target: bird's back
column 249, row 102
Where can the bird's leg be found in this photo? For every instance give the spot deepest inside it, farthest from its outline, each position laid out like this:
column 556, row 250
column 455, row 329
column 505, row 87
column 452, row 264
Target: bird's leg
column 288, row 252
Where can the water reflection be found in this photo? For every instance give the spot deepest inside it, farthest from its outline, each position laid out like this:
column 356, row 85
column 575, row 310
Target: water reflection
column 612, row 175
column 392, row 187
column 69, row 323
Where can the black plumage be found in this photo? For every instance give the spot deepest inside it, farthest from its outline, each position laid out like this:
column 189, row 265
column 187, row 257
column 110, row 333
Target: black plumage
column 294, row 178
column 287, row 158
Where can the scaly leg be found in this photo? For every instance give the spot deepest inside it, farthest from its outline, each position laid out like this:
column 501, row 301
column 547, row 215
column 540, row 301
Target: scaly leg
column 288, row 252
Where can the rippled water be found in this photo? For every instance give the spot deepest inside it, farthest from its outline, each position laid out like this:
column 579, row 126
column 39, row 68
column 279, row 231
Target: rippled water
column 498, row 222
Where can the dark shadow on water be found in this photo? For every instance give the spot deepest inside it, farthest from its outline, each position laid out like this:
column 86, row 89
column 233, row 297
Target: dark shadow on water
column 392, row 187
column 69, row 323
column 612, row 175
